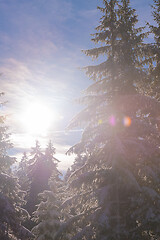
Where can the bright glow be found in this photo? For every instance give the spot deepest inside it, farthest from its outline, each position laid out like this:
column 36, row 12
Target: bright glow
column 100, row 122
column 37, row 118
column 112, row 121
column 127, row 121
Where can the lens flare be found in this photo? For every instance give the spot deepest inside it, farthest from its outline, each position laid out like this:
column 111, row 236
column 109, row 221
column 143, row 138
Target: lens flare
column 127, row 121
column 100, row 121
column 112, row 121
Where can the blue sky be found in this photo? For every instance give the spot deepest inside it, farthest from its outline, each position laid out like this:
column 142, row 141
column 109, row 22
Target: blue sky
column 41, row 43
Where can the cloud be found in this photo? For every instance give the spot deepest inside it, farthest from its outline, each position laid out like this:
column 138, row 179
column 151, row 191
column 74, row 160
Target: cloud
column 15, row 79
column 65, row 161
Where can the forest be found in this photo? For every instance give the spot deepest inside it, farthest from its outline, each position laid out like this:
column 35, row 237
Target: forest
column 112, row 190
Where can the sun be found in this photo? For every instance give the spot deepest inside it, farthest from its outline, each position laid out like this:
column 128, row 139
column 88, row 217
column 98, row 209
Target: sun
column 37, row 118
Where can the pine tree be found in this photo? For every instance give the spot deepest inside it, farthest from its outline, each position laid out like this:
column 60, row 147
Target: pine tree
column 11, row 199
column 47, row 216
column 115, row 194
column 154, row 50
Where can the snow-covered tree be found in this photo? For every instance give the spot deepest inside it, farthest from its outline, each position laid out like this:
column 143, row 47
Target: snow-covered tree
column 11, row 213
column 79, row 161
column 11, row 198
column 115, row 194
column 39, row 171
column 48, row 215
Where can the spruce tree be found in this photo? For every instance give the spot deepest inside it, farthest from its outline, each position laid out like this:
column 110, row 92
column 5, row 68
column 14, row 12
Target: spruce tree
column 47, row 215
column 115, row 194
column 11, row 198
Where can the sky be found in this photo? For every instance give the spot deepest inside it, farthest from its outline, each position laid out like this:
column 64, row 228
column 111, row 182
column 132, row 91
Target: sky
column 40, row 61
